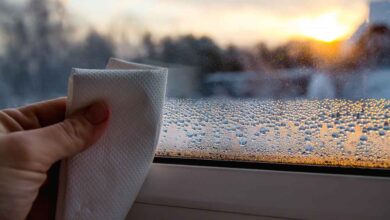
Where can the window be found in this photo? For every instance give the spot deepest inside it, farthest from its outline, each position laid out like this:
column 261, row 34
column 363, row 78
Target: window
column 250, row 81
column 257, row 90
column 334, row 132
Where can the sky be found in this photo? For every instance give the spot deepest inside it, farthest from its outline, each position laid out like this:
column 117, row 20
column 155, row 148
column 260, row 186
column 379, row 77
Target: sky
column 241, row 22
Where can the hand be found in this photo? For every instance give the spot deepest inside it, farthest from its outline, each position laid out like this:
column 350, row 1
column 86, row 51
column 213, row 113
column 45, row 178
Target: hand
column 32, row 139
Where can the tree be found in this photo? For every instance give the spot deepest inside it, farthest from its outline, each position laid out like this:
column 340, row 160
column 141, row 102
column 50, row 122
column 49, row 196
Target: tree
column 232, row 59
column 40, row 51
column 187, row 50
column 149, row 46
column 374, row 46
column 34, row 47
column 92, row 53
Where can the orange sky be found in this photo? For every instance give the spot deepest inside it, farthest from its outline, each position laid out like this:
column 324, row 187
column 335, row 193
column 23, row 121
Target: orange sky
column 242, row 22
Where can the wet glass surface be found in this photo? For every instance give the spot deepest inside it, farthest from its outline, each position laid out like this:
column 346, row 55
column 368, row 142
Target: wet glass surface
column 316, row 132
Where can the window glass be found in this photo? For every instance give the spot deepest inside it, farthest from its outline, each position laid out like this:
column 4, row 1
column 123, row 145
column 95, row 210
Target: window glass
column 333, row 132
column 303, row 81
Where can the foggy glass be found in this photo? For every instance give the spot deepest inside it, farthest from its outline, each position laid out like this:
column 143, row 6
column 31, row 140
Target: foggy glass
column 240, row 88
column 315, row 132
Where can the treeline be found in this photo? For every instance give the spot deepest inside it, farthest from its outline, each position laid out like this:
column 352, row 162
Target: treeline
column 200, row 52
column 203, row 52
column 39, row 50
column 371, row 49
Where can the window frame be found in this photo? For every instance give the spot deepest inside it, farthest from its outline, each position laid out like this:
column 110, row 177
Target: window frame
column 262, row 193
column 294, row 167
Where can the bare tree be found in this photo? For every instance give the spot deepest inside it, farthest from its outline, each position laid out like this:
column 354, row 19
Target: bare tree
column 39, row 50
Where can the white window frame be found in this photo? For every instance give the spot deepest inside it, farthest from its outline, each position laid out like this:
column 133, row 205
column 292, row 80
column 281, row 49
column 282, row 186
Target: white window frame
column 173, row 191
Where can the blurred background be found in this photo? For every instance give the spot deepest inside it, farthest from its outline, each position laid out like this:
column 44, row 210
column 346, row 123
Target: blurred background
column 278, row 49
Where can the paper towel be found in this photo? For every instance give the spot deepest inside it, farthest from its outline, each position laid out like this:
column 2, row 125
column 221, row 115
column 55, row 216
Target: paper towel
column 103, row 181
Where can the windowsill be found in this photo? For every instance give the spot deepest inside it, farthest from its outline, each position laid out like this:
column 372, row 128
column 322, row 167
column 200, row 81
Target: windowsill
column 259, row 193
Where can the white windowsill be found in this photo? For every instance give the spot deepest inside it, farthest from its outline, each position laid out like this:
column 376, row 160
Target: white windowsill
column 177, row 191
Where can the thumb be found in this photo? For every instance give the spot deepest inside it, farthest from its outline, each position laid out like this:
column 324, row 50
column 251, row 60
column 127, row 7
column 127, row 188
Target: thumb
column 71, row 136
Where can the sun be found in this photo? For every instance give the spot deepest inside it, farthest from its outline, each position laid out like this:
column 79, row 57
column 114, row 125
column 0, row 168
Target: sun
column 326, row 27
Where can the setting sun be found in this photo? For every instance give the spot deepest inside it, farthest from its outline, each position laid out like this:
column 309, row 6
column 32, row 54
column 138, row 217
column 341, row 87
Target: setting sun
column 227, row 22
column 326, row 27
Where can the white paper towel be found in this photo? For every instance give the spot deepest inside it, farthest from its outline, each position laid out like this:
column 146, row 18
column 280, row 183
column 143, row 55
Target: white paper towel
column 103, row 181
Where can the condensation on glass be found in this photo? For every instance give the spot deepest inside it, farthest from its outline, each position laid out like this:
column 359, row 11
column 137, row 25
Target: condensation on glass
column 316, row 132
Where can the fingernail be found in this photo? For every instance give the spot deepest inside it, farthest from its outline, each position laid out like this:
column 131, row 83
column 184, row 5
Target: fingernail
column 97, row 113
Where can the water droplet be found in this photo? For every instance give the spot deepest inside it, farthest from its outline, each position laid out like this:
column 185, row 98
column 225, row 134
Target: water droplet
column 309, row 148
column 242, row 141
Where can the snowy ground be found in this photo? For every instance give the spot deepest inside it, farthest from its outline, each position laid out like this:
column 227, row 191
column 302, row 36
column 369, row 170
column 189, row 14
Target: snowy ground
column 362, row 84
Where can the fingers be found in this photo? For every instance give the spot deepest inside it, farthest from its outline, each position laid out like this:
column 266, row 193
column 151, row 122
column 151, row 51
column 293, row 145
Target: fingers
column 33, row 116
column 64, row 139
column 48, row 112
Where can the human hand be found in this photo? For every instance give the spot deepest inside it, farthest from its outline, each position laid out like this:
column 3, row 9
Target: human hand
column 32, row 139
